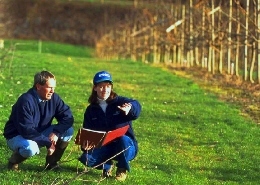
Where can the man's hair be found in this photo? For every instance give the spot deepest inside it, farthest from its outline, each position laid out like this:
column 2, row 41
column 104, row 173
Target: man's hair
column 93, row 98
column 42, row 77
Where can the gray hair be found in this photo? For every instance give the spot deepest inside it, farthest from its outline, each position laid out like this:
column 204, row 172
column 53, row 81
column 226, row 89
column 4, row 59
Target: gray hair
column 42, row 77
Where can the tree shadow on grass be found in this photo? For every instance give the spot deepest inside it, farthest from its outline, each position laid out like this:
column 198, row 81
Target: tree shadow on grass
column 34, row 167
column 238, row 175
column 214, row 174
column 35, row 173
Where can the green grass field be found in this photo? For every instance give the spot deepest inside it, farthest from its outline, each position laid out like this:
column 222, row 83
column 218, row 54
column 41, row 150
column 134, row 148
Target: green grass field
column 186, row 135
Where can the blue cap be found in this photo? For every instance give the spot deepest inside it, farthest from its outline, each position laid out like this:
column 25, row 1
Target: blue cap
column 102, row 76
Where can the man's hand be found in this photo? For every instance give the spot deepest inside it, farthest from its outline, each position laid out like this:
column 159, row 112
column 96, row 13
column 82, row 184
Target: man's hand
column 126, row 107
column 51, row 150
column 53, row 138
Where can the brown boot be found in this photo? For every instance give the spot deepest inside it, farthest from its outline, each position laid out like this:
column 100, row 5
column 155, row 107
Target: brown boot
column 52, row 160
column 108, row 173
column 121, row 174
column 14, row 160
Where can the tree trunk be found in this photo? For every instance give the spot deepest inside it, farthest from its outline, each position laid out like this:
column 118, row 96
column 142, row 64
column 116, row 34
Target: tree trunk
column 220, row 66
column 246, row 41
column 191, row 47
column 229, row 36
column 182, row 35
column 238, row 41
column 203, row 36
column 212, row 39
column 258, row 36
column 252, row 65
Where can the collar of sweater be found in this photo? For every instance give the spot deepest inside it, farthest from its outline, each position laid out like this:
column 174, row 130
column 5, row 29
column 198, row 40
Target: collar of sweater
column 102, row 104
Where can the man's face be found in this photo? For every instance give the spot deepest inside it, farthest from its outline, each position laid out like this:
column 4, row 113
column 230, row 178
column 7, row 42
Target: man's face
column 103, row 90
column 46, row 91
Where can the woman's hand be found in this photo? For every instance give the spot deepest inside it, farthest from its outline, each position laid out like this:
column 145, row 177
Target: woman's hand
column 126, row 107
column 87, row 145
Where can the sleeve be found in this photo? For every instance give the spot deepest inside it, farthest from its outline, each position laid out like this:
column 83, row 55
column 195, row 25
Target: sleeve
column 87, row 119
column 135, row 110
column 63, row 116
column 86, row 122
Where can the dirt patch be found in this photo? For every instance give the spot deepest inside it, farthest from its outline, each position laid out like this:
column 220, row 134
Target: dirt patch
column 229, row 88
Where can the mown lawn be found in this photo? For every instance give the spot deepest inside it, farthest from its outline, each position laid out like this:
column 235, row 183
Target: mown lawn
column 186, row 135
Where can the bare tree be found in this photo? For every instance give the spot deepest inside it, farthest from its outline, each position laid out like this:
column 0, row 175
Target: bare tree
column 258, row 36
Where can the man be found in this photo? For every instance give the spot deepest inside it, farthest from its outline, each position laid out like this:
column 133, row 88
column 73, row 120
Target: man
column 30, row 124
column 108, row 111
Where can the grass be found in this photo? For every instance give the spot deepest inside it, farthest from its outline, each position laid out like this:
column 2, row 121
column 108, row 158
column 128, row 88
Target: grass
column 186, row 135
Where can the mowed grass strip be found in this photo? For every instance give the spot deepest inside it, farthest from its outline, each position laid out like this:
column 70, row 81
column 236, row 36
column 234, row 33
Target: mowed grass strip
column 186, row 135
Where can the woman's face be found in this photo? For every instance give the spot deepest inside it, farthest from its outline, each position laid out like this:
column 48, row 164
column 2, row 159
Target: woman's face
column 103, row 90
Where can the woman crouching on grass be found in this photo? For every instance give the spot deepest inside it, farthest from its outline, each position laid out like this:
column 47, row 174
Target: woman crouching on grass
column 108, row 111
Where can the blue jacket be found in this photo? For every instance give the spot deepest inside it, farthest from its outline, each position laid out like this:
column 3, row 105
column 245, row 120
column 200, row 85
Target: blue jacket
column 29, row 121
column 96, row 119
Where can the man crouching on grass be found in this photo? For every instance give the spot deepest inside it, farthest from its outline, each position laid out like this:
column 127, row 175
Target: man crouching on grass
column 30, row 124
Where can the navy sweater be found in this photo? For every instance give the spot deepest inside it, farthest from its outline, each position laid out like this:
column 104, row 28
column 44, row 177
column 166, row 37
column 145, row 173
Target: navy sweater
column 96, row 119
column 28, row 120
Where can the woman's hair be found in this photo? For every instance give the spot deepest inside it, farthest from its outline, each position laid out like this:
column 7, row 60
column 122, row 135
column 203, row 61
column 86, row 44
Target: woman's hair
column 93, row 98
column 42, row 77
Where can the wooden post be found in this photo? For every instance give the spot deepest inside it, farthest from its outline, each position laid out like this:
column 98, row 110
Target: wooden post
column 2, row 44
column 40, row 46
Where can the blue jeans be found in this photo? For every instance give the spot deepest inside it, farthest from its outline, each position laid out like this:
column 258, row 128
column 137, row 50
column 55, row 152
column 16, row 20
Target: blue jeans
column 97, row 156
column 28, row 148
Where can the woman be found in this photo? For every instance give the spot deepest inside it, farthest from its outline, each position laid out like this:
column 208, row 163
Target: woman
column 108, row 111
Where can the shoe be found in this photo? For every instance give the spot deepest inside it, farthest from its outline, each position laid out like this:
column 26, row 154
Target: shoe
column 108, row 173
column 51, row 166
column 121, row 174
column 52, row 160
column 12, row 166
column 14, row 161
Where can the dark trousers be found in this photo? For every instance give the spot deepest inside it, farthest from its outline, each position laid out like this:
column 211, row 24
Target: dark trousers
column 97, row 156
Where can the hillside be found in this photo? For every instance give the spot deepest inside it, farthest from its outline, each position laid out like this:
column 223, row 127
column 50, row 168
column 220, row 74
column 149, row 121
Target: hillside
column 73, row 22
column 85, row 23
column 186, row 134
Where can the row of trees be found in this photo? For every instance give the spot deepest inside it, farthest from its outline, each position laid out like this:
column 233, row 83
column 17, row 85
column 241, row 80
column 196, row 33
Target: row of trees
column 221, row 36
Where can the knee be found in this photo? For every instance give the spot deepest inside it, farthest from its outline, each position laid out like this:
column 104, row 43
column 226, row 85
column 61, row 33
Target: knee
column 126, row 141
column 68, row 134
column 29, row 151
column 87, row 160
column 70, row 131
column 126, row 144
column 84, row 159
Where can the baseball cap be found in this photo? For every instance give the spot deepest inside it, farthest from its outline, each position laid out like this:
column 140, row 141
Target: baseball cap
column 102, row 76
